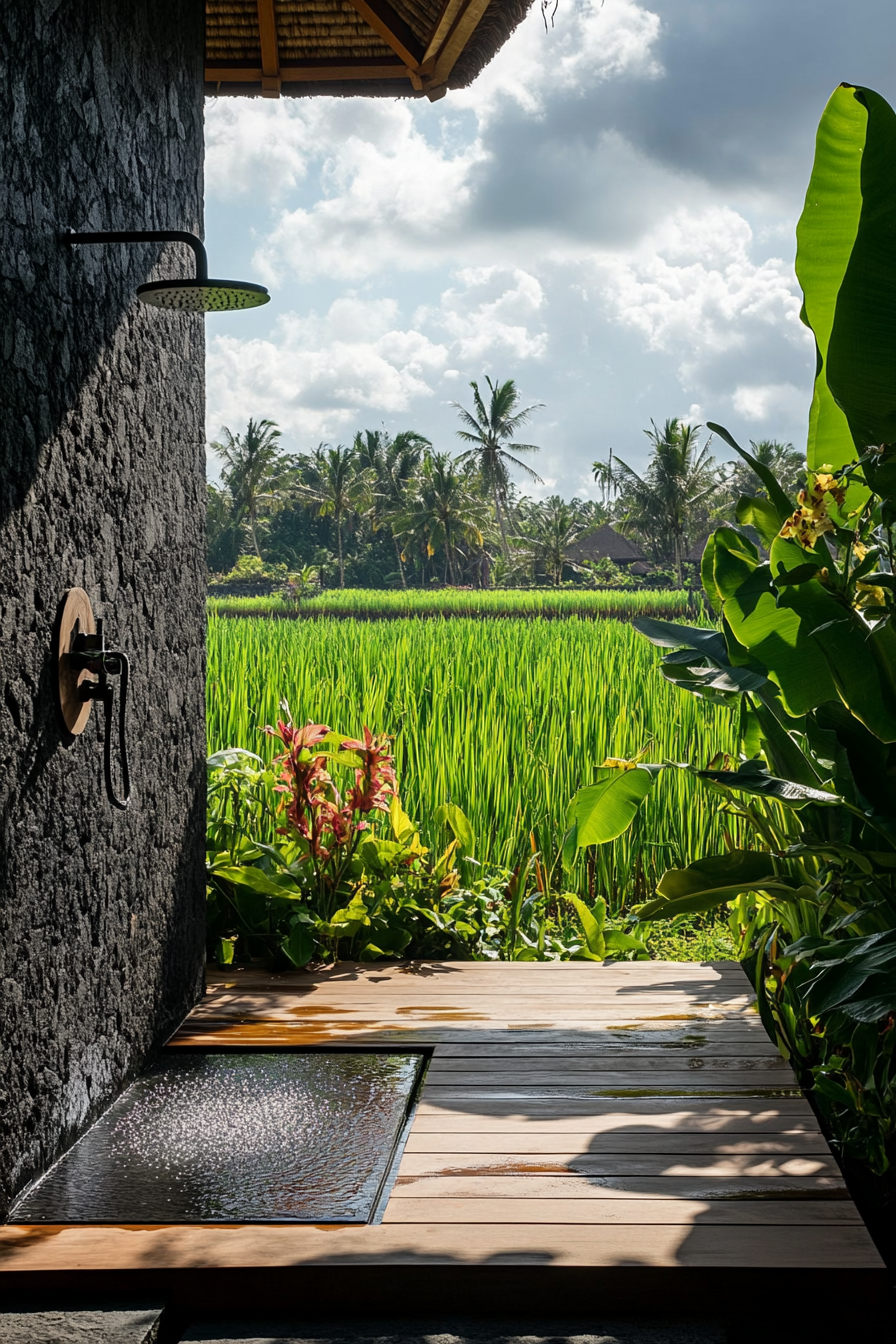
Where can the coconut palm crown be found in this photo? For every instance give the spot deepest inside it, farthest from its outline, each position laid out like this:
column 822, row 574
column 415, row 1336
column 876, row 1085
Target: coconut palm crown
column 489, row 430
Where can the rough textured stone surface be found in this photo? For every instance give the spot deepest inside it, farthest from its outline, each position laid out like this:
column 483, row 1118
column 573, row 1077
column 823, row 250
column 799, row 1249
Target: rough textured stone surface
column 101, row 485
column 105, row 1325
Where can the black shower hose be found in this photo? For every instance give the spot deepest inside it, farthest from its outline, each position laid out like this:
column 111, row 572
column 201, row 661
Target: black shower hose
column 108, row 697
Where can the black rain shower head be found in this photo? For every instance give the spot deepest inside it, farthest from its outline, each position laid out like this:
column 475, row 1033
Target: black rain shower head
column 200, row 295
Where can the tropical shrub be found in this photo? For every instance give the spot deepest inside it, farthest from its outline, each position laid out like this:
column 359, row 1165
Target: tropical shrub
column 302, row 867
column 806, row 654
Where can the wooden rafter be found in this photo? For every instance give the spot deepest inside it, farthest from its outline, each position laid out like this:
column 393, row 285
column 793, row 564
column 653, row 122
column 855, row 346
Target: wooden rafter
column 428, row 67
column 270, row 54
column 449, row 41
column 391, row 27
column 320, row 71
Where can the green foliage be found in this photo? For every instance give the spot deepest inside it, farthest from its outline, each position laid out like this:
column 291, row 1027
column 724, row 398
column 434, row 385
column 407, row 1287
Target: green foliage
column 667, row 505
column 807, row 653
column 371, row 605
column 502, row 718
column 288, row 887
column 491, row 430
column 390, row 512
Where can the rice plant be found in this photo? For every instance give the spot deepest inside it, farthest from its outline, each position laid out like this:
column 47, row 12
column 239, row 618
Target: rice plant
column 371, row 604
column 505, row 719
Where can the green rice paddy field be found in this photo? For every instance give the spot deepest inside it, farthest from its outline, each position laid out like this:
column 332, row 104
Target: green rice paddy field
column 367, row 604
column 505, row 718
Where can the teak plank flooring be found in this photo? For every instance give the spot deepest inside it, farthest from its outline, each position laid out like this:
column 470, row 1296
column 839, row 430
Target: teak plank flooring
column 595, row 1123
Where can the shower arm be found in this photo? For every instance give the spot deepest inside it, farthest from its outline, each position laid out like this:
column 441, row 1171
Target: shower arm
column 74, row 239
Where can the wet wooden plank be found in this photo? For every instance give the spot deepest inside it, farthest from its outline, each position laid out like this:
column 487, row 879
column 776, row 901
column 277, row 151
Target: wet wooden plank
column 631, row 1083
column 505, row 1050
column 597, row 1211
column 662, row 1111
column 578, row 1145
column 626, row 1074
column 628, row 1164
column 640, row 1059
column 452, row 1181
column 487, row 1130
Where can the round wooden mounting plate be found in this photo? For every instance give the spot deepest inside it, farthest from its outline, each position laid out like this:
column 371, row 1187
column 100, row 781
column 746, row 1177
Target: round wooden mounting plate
column 75, row 618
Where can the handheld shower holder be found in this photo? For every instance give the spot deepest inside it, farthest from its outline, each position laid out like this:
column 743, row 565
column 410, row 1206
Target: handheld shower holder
column 85, row 667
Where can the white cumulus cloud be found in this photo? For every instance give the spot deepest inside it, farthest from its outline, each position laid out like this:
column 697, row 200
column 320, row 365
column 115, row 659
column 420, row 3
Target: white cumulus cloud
column 315, row 375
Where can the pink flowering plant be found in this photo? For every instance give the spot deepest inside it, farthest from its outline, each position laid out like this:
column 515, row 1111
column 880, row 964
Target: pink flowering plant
column 314, row 858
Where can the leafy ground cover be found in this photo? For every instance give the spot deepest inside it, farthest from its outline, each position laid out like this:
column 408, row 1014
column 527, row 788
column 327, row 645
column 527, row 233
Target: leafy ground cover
column 505, row 721
column 371, row 604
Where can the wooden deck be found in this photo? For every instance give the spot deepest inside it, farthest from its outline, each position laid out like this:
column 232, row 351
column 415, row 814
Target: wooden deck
column 621, row 1131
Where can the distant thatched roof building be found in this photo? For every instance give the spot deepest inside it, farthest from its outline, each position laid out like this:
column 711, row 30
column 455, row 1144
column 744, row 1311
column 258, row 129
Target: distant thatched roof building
column 605, row 543
column 397, row 48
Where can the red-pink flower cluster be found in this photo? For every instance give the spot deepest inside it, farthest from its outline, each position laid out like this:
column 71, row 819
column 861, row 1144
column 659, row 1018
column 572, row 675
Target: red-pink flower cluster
column 375, row 780
column 315, row 808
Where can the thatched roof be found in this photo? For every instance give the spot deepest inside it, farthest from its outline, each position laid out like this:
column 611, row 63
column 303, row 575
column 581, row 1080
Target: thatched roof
column 604, row 543
column 397, row 48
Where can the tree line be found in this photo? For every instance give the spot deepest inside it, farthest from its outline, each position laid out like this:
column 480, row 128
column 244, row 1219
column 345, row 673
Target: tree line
column 393, row 510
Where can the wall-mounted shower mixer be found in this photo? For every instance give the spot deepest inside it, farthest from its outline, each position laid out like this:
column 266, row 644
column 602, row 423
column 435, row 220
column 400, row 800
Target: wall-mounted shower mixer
column 84, row 668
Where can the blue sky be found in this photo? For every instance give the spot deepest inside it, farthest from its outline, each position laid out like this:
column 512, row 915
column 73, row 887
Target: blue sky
column 607, row 216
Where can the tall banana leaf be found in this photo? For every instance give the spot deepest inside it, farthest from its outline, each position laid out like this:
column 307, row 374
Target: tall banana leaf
column 846, row 241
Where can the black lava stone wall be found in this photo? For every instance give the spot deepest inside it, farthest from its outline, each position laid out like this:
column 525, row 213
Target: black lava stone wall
column 101, row 486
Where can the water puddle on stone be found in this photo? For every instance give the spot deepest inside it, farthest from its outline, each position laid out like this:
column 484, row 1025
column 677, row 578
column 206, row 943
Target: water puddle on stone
column 236, row 1138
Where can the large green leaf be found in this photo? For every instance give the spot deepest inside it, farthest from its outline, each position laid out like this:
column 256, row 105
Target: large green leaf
column 450, row 815
column 260, row 882
column 783, row 752
column 752, row 777
column 777, row 498
column 761, row 514
column 773, row 634
column 669, row 635
column 298, row 945
column 861, row 362
column 705, row 884
column 861, row 662
column 592, row 922
column 728, row 680
column 826, row 234
column 604, row 810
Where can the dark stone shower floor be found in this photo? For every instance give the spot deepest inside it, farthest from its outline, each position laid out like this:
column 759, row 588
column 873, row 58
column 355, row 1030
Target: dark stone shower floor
column 236, row 1138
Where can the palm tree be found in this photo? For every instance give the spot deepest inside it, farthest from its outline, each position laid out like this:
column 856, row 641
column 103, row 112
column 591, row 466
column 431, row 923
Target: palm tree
column 222, row 527
column 785, row 462
column 603, row 474
column 333, row 481
column 256, row 471
column 661, row 505
column 444, row 510
column 489, row 430
column 394, row 463
column 551, row 530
